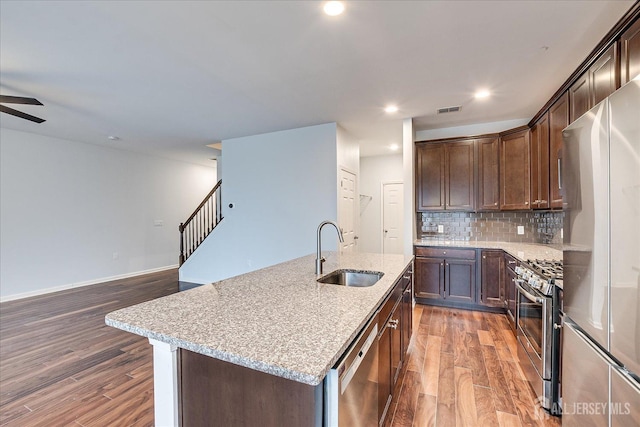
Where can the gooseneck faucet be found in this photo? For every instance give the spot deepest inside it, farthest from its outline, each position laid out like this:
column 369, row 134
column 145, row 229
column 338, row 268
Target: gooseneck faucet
column 319, row 258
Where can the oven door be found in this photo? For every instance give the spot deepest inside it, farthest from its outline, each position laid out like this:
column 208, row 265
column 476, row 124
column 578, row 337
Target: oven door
column 535, row 328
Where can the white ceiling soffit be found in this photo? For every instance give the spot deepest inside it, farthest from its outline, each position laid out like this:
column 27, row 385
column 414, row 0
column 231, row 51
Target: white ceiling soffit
column 169, row 77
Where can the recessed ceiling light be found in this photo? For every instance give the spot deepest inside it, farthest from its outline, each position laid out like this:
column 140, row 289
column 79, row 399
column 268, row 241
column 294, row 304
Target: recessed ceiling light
column 333, row 8
column 394, row 147
column 391, row 109
column 113, row 138
column 482, row 94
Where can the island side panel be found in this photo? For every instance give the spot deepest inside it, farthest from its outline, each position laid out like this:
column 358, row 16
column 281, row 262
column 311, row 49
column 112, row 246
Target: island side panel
column 215, row 392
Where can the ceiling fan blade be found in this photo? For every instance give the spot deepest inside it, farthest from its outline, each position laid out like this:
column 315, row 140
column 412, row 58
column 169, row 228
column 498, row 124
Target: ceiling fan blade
column 19, row 100
column 20, row 114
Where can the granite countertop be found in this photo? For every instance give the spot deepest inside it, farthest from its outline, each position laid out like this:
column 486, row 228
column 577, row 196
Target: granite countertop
column 277, row 320
column 522, row 251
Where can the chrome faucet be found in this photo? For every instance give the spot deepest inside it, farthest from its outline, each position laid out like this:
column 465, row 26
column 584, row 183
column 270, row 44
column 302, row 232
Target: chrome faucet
column 319, row 258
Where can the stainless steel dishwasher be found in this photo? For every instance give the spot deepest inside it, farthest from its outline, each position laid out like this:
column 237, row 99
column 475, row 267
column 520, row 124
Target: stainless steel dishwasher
column 351, row 387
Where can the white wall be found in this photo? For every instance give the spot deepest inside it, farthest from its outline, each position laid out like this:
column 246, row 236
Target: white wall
column 67, row 207
column 408, row 162
column 470, row 130
column 282, row 185
column 373, row 172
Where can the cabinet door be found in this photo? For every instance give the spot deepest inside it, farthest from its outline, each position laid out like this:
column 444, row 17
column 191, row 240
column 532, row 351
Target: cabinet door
column 510, row 284
column 491, row 282
column 396, row 343
column 540, row 164
column 407, row 319
column 384, row 370
column 459, row 172
column 460, row 280
column 430, row 172
column 429, row 280
column 630, row 53
column 603, row 76
column 558, row 120
column 488, row 179
column 579, row 97
column 514, row 171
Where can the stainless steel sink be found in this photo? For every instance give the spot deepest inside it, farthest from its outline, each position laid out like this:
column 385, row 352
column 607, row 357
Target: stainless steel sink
column 356, row 278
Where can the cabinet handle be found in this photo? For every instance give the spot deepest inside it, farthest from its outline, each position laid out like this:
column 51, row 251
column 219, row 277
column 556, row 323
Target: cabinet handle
column 393, row 323
column 444, row 252
column 441, row 264
column 559, row 175
column 542, row 201
column 535, row 202
column 484, row 257
column 526, row 203
column 511, row 262
column 495, row 204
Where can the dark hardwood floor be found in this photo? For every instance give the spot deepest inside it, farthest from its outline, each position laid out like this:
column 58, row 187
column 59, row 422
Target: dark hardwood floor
column 60, row 365
column 463, row 370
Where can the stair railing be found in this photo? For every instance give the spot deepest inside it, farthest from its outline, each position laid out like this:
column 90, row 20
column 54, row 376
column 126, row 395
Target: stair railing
column 201, row 222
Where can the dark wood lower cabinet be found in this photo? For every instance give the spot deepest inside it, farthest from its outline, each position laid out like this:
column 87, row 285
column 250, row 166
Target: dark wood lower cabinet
column 393, row 341
column 460, row 280
column 429, row 277
column 510, row 288
column 214, row 392
column 492, row 278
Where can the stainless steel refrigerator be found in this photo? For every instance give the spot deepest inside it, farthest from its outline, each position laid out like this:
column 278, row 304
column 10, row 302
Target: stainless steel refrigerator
column 601, row 198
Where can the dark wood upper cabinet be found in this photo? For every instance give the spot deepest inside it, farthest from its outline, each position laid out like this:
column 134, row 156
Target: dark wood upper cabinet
column 603, row 75
column 598, row 82
column 430, row 174
column 579, row 97
column 445, row 176
column 540, row 164
column 459, row 170
column 515, row 184
column 558, row 120
column 488, row 178
column 630, row 53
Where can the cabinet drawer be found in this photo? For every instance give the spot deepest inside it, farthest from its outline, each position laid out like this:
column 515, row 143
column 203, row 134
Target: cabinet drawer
column 387, row 306
column 510, row 261
column 432, row 252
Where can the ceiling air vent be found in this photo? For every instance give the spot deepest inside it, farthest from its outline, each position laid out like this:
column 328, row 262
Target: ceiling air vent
column 449, row 109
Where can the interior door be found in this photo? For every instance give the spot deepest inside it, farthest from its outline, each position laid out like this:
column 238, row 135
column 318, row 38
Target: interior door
column 347, row 210
column 392, row 224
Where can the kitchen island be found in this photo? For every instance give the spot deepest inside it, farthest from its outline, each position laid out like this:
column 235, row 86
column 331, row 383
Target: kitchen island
column 278, row 321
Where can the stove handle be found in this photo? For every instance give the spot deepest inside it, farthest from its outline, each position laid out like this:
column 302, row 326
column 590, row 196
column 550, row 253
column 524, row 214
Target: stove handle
column 527, row 294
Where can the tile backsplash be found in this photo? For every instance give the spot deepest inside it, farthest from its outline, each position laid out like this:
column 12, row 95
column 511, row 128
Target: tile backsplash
column 539, row 227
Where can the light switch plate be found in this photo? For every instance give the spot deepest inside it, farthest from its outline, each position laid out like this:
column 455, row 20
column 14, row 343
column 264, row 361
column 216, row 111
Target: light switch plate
column 521, row 229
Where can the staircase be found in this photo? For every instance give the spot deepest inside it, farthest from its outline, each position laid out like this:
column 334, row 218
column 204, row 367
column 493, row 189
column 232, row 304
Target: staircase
column 201, row 223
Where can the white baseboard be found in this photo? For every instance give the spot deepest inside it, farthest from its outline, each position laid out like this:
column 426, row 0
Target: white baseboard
column 81, row 284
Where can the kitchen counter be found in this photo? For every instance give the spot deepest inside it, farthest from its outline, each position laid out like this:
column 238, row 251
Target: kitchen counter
column 277, row 320
column 522, row 251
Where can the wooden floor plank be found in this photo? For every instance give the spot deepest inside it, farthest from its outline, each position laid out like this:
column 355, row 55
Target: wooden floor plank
column 431, row 367
column 466, row 411
column 485, row 338
column 446, row 406
column 425, row 411
column 508, row 420
column 487, row 416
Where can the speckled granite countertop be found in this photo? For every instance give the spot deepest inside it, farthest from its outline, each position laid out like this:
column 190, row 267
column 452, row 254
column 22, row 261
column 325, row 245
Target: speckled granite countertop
column 522, row 251
column 277, row 320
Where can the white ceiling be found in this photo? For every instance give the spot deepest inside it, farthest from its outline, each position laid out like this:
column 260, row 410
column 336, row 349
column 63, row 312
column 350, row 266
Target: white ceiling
column 171, row 77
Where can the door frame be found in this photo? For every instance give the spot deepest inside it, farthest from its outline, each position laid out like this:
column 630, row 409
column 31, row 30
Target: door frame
column 382, row 184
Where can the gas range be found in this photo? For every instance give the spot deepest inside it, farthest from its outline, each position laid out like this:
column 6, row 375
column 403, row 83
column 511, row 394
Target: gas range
column 540, row 274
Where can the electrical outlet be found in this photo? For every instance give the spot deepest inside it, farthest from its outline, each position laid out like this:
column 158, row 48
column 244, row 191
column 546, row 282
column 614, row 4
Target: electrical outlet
column 562, row 233
column 158, row 223
column 440, row 228
column 521, row 229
